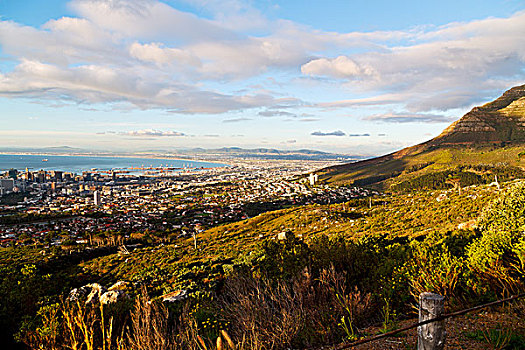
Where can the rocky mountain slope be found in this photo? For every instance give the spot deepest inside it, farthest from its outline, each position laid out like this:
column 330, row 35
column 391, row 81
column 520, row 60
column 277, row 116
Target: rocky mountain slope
column 502, row 120
column 490, row 135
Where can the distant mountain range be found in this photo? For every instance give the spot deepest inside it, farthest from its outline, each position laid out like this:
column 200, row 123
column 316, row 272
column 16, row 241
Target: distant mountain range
column 489, row 136
column 45, row 150
column 219, row 153
column 269, row 153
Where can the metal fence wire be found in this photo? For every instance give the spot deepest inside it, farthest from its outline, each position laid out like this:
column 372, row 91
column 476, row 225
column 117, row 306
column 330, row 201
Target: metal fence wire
column 414, row 325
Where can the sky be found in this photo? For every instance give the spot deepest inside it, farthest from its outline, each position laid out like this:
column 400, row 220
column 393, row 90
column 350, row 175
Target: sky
column 355, row 77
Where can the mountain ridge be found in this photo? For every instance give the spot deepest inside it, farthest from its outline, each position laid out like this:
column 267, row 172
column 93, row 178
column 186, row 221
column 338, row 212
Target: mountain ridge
column 224, row 152
column 477, row 138
column 502, row 120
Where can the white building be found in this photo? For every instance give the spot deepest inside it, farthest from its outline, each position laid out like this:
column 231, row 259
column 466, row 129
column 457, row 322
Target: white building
column 312, row 178
column 97, row 198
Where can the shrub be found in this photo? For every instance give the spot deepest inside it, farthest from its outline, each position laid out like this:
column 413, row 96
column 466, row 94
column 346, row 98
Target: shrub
column 438, row 264
column 282, row 259
column 498, row 256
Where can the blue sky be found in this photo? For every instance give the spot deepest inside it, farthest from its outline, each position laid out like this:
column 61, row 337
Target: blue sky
column 357, row 77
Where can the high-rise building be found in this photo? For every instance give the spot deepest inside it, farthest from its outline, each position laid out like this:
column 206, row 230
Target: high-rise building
column 28, row 175
column 313, row 178
column 86, row 175
column 12, row 174
column 41, row 176
column 57, row 175
column 97, row 198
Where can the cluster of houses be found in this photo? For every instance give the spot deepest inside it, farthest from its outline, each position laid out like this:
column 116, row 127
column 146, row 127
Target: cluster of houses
column 80, row 209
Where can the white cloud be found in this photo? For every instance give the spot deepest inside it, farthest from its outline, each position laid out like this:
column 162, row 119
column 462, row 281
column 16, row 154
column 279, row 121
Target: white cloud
column 147, row 54
column 409, row 118
column 62, row 42
column 105, row 84
column 276, row 113
column 149, row 20
column 236, row 120
column 443, row 68
column 92, row 60
column 384, row 99
column 156, row 53
column 232, row 14
column 331, row 133
column 153, row 132
column 340, row 67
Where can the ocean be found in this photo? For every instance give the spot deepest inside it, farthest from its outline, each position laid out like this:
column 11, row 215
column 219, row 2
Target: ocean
column 78, row 164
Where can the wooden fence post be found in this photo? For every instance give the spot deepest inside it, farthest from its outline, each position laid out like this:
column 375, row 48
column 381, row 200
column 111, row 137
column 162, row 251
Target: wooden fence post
column 431, row 336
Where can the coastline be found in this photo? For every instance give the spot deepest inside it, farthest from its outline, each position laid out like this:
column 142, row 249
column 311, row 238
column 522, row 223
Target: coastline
column 103, row 155
column 105, row 159
column 219, row 160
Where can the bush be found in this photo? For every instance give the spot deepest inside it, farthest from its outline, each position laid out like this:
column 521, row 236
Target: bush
column 438, row 264
column 498, row 256
column 282, row 259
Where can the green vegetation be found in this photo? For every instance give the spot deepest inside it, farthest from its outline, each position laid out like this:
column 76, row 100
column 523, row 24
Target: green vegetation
column 339, row 268
column 12, row 198
column 418, row 170
column 24, row 218
column 461, row 176
column 500, row 337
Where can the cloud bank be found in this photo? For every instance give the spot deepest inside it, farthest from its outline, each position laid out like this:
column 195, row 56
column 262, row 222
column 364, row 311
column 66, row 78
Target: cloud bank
column 146, row 54
column 409, row 118
column 154, row 133
column 439, row 68
column 332, row 133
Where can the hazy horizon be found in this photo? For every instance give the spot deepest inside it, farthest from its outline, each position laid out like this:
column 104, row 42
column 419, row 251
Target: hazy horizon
column 342, row 77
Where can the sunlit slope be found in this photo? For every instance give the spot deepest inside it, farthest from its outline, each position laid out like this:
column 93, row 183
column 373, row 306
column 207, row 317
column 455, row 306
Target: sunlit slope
column 181, row 266
column 490, row 135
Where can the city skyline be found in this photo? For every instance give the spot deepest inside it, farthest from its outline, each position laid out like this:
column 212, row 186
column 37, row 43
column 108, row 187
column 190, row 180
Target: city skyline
column 347, row 77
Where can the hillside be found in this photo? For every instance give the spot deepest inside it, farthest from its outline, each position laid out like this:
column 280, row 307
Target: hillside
column 180, row 266
column 378, row 254
column 488, row 139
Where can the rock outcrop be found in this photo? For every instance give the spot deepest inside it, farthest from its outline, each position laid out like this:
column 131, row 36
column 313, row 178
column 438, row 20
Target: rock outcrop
column 502, row 120
column 112, row 296
column 174, row 296
column 94, row 293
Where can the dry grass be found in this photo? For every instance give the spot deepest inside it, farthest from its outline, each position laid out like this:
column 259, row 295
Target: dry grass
column 302, row 312
column 149, row 325
column 261, row 314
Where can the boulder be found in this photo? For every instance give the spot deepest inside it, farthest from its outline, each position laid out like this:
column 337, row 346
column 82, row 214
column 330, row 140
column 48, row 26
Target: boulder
column 94, row 293
column 88, row 292
column 120, row 285
column 77, row 293
column 174, row 296
column 112, row 296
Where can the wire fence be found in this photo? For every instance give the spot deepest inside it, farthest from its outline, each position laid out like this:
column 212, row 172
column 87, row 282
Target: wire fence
column 414, row 325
